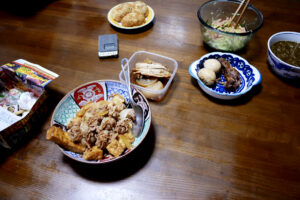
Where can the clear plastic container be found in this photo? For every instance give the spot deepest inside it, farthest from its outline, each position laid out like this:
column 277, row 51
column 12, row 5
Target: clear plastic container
column 140, row 56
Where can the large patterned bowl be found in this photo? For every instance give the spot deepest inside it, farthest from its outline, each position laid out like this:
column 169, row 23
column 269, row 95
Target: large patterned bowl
column 250, row 76
column 96, row 91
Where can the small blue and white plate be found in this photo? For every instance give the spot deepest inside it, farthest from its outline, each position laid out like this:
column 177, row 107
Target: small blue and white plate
column 96, row 91
column 249, row 75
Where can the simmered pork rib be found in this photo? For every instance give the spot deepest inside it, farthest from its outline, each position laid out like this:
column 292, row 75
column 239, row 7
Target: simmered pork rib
column 232, row 76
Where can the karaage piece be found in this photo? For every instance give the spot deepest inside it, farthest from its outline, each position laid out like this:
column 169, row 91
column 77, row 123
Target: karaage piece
column 93, row 153
column 121, row 10
column 133, row 19
column 62, row 138
column 141, row 7
column 116, row 148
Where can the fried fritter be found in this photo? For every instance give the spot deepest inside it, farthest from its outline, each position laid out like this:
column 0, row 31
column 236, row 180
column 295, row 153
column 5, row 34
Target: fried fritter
column 133, row 19
column 121, row 10
column 141, row 7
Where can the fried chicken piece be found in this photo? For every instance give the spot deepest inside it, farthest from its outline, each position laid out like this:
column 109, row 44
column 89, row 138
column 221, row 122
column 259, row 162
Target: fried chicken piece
column 123, row 126
column 133, row 19
column 121, row 10
column 102, row 138
column 115, row 109
column 141, row 7
column 232, row 76
column 62, row 138
column 93, row 153
column 108, row 123
column 105, row 137
column 74, row 129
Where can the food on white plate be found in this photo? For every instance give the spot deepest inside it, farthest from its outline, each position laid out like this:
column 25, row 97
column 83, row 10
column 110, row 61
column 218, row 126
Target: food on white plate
column 207, row 76
column 98, row 130
column 133, row 19
column 130, row 14
column 212, row 64
column 232, row 76
column 150, row 74
column 121, row 11
column 141, row 7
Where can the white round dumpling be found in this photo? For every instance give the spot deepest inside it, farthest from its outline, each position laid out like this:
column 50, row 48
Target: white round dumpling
column 212, row 64
column 207, row 76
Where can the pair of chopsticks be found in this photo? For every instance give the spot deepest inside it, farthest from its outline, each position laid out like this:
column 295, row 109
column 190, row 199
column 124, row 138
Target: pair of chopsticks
column 242, row 13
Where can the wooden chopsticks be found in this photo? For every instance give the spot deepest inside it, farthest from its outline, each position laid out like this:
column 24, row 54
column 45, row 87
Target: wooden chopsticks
column 241, row 14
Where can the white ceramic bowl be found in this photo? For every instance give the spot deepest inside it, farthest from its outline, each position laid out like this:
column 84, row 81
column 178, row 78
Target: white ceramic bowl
column 250, row 76
column 280, row 67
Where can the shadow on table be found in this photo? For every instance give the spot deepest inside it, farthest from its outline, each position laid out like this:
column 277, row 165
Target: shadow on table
column 239, row 101
column 24, row 8
column 44, row 113
column 119, row 169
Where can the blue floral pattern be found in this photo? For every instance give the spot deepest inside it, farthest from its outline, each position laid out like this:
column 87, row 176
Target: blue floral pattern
column 237, row 63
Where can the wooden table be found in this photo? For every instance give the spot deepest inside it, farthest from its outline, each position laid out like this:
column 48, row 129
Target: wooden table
column 197, row 147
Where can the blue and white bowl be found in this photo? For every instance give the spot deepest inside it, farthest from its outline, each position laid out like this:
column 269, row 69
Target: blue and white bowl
column 250, row 76
column 280, row 67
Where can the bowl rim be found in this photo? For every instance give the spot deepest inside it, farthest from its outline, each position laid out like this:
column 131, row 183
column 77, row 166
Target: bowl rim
column 274, row 55
column 111, row 160
column 250, row 6
column 213, row 91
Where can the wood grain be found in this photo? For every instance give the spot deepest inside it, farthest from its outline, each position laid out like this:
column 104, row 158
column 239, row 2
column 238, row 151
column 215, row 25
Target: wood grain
column 197, row 147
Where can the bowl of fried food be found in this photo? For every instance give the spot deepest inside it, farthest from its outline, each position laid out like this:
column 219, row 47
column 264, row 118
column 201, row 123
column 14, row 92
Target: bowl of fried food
column 93, row 123
column 130, row 15
column 224, row 75
column 151, row 73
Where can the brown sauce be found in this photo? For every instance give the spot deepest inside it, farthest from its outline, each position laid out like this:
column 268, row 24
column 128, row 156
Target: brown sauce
column 287, row 51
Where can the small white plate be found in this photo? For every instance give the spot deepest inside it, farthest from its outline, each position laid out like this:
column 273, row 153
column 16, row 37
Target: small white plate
column 149, row 19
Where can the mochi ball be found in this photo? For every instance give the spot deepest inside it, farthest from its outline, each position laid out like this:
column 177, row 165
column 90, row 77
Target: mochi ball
column 207, row 76
column 212, row 64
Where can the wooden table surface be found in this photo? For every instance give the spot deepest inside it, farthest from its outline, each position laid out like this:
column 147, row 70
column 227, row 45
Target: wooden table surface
column 197, row 147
